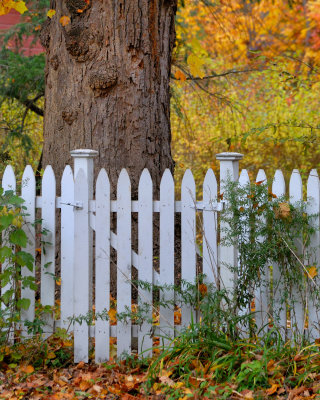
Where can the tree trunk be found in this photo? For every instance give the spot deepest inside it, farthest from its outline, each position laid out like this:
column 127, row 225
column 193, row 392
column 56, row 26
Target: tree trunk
column 107, row 85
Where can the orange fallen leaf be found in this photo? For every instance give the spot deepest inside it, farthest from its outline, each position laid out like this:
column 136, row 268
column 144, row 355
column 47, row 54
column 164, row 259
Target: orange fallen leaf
column 64, row 20
column 84, row 385
column 27, row 369
column 272, row 389
column 203, row 289
column 312, row 271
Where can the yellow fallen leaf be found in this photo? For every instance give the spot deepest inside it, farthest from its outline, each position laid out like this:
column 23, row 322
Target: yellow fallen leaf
column 112, row 315
column 312, row 272
column 64, row 20
column 51, row 355
column 51, row 13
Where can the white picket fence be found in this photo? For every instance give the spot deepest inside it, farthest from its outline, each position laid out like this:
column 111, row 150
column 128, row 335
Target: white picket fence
column 81, row 215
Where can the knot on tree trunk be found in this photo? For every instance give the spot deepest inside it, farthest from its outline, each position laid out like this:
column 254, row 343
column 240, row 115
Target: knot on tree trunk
column 101, row 82
column 69, row 115
column 77, row 39
column 76, row 7
column 81, row 42
column 55, row 62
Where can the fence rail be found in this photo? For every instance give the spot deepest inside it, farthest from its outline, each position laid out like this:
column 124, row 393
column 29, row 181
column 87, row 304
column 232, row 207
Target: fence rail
column 82, row 215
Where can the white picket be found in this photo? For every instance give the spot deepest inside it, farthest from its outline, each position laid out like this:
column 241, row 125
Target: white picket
column 67, row 246
column 279, row 307
column 298, row 312
column 81, row 288
column 167, row 255
column 28, row 193
column 48, row 240
column 313, row 208
column 262, row 298
column 244, row 181
column 209, row 241
column 102, row 265
column 123, row 261
column 145, row 233
column 9, row 179
column 8, row 183
column 188, row 242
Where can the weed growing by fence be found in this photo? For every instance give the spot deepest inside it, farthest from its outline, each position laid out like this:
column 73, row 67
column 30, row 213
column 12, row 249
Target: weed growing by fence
column 13, row 258
column 273, row 238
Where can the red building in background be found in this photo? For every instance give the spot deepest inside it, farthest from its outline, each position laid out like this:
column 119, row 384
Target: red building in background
column 7, row 21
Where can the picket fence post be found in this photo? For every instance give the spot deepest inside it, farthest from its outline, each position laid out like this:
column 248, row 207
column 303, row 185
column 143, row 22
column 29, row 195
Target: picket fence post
column 229, row 170
column 83, row 248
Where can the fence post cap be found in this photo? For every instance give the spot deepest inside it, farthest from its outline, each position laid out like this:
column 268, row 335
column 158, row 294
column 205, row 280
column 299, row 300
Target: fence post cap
column 229, row 156
column 84, row 153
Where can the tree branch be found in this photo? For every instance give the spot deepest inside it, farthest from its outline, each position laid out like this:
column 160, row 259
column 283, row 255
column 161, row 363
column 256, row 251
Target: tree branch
column 30, row 104
column 232, row 71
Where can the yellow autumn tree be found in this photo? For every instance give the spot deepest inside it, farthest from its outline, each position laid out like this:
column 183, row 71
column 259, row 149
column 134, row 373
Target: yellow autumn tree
column 247, row 80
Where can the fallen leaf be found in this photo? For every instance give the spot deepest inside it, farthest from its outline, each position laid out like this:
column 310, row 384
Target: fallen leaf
column 203, row 289
column 272, row 389
column 27, row 369
column 312, row 271
column 166, row 380
column 51, row 13
column 64, row 20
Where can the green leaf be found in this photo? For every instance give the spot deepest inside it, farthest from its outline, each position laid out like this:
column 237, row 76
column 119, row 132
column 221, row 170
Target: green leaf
column 5, row 276
column 25, row 259
column 23, row 303
column 5, row 252
column 7, row 296
column 19, row 237
column 15, row 200
column 29, row 281
column 6, row 221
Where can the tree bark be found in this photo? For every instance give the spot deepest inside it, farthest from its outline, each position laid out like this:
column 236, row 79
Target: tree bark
column 107, row 85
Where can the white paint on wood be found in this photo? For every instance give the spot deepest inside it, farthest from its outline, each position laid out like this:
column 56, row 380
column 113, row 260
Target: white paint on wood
column 262, row 298
column 188, row 242
column 8, row 184
column 28, row 193
column 167, row 254
column 67, row 246
column 298, row 312
column 102, row 265
column 209, row 218
column 279, row 305
column 244, row 182
column 229, row 171
column 145, row 252
column 81, row 288
column 124, row 261
column 313, row 208
column 48, row 239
